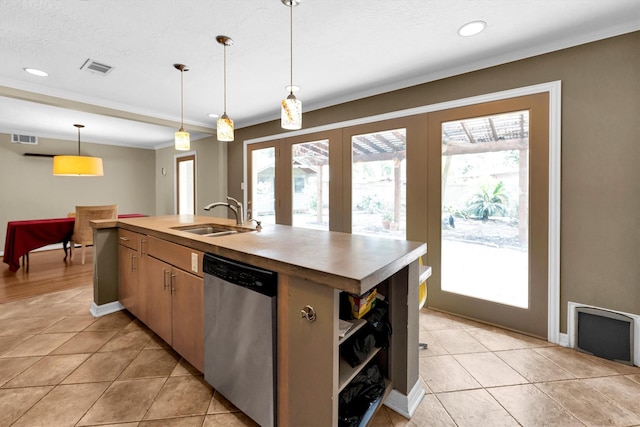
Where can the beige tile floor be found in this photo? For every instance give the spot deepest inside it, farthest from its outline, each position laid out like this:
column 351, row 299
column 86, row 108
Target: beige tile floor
column 61, row 367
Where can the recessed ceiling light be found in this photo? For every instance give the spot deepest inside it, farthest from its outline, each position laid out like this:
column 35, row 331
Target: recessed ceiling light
column 293, row 88
column 472, row 28
column 212, row 115
column 35, row 72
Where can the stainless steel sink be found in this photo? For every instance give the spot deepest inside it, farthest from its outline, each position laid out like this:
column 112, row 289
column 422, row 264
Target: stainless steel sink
column 220, row 233
column 209, row 230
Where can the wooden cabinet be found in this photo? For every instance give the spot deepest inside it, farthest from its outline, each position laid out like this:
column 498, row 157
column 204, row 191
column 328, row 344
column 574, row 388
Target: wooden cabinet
column 157, row 283
column 175, row 298
column 130, row 264
column 161, row 284
column 188, row 317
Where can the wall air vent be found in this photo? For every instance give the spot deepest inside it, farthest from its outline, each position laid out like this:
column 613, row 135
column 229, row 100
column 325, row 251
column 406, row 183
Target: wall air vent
column 96, row 67
column 24, row 139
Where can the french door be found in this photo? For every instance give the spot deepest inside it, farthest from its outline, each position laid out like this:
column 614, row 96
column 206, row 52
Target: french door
column 186, row 184
column 291, row 181
column 488, row 204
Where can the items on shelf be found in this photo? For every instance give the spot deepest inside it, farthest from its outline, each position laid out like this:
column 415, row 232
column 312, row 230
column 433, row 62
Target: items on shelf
column 361, row 395
column 361, row 304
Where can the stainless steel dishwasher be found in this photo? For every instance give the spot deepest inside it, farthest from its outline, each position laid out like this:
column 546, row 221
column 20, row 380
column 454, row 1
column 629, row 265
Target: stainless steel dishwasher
column 240, row 335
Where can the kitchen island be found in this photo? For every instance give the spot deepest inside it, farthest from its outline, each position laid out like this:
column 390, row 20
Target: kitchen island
column 314, row 268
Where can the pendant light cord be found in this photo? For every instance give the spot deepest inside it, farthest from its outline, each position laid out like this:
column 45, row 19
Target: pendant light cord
column 225, row 78
column 181, row 100
column 291, row 45
column 78, row 142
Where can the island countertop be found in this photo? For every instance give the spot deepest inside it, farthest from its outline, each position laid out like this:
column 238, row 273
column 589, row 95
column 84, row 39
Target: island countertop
column 343, row 261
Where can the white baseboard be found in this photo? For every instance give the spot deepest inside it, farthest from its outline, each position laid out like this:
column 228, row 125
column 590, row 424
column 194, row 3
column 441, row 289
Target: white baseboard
column 104, row 309
column 563, row 340
column 405, row 405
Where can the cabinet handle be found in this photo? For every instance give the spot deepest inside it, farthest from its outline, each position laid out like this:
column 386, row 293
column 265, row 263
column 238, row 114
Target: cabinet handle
column 124, row 239
column 308, row 313
column 142, row 243
column 164, row 279
column 173, row 289
column 133, row 259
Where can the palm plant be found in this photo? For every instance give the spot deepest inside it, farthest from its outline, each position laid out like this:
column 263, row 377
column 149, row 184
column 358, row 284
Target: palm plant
column 489, row 202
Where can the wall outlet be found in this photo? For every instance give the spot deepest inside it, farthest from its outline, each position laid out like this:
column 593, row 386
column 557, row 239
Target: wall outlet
column 194, row 262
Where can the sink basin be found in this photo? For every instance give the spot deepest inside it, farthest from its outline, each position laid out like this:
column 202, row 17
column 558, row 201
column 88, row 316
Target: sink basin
column 212, row 230
column 220, row 233
column 202, row 230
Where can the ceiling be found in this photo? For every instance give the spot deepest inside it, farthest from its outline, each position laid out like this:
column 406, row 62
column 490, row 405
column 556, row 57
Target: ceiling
column 342, row 50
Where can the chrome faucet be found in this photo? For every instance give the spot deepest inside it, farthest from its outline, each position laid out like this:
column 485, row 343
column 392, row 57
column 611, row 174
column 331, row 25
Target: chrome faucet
column 238, row 206
column 237, row 209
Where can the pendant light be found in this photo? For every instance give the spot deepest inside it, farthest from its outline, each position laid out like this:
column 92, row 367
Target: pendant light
column 225, row 124
column 291, row 109
column 77, row 165
column 182, row 142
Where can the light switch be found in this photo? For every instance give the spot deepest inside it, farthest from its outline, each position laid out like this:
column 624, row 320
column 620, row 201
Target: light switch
column 194, row 262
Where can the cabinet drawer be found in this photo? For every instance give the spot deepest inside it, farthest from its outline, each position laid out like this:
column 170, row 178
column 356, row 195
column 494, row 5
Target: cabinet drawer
column 129, row 239
column 184, row 258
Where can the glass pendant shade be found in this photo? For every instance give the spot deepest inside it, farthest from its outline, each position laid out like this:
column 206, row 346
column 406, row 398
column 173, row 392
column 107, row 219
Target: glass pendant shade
column 77, row 166
column 182, row 142
column 225, row 128
column 291, row 113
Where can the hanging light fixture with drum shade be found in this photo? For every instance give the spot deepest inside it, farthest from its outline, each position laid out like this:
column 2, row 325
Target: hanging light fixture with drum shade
column 77, row 165
column 291, row 108
column 225, row 124
column 182, row 141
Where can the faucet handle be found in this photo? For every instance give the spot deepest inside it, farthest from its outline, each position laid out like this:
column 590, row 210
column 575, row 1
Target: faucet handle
column 233, row 200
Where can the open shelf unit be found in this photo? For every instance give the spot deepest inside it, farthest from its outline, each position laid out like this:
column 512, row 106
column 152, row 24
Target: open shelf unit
column 346, row 373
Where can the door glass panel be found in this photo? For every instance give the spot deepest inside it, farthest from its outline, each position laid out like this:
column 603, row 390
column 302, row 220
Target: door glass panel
column 485, row 213
column 378, row 191
column 310, row 174
column 263, row 185
column 186, row 185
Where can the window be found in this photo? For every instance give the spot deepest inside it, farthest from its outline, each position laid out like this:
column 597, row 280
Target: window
column 378, row 184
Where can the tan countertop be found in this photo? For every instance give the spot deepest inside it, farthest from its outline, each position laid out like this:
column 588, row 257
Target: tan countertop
column 340, row 260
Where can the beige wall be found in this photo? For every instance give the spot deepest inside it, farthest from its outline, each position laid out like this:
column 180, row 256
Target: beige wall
column 30, row 191
column 132, row 178
column 211, row 171
column 600, row 236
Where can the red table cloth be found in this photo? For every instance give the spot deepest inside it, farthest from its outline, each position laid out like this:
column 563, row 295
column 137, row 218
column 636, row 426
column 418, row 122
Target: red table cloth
column 25, row 236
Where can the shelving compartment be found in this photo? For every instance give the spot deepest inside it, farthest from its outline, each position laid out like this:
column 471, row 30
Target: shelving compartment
column 376, row 355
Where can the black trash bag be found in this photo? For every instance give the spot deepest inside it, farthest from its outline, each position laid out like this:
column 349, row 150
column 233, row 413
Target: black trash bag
column 358, row 396
column 358, row 347
column 379, row 324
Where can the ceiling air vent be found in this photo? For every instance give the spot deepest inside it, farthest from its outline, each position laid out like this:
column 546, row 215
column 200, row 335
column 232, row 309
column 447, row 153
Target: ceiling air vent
column 96, row 67
column 24, row 139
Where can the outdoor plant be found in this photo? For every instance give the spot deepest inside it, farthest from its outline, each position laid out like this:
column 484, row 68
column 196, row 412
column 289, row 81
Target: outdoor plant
column 489, row 201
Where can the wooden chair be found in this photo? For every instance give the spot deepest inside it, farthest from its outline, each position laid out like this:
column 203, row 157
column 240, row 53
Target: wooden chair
column 82, row 231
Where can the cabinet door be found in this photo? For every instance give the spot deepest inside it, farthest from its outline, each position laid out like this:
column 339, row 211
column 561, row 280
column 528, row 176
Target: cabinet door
column 188, row 317
column 128, row 278
column 157, row 284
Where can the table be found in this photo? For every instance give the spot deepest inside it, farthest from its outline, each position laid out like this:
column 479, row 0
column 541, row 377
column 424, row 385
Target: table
column 25, row 236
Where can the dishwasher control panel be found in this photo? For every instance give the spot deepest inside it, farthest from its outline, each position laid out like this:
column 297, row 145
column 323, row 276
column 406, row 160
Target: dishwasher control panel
column 248, row 276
